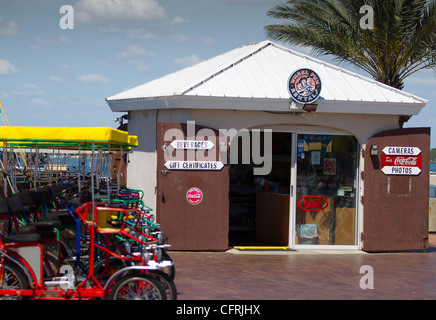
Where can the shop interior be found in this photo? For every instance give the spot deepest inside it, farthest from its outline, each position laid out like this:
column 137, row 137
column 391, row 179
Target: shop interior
column 259, row 206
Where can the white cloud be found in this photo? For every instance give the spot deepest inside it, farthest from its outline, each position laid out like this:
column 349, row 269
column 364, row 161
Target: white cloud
column 92, row 78
column 114, row 12
column 253, row 2
column 135, row 19
column 142, row 68
column 208, row 41
column 27, row 89
column 180, row 20
column 188, row 60
column 135, row 55
column 63, row 39
column 7, row 68
column 141, row 34
column 179, row 38
column 55, row 78
column 134, row 51
column 421, row 81
column 39, row 102
column 421, row 84
column 5, row 95
column 130, row 32
column 8, row 28
column 40, row 42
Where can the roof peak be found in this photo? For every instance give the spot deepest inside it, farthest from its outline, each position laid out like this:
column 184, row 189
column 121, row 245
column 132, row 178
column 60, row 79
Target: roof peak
column 261, row 70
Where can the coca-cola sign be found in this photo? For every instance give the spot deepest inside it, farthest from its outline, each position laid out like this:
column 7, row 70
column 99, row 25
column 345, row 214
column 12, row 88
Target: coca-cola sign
column 405, row 161
column 401, row 161
column 313, row 203
column 194, row 196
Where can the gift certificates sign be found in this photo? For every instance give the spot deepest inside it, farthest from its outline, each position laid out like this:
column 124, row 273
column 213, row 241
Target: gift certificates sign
column 401, row 161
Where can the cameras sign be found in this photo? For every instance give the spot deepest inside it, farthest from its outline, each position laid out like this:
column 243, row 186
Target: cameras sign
column 401, row 161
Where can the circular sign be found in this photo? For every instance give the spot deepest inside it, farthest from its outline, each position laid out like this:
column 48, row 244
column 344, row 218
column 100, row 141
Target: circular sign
column 194, row 196
column 304, row 86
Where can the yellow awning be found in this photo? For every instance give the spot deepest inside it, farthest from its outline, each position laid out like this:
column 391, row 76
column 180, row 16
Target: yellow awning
column 67, row 138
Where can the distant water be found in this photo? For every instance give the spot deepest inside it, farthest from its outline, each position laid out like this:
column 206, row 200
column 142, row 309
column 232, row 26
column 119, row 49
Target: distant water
column 432, row 186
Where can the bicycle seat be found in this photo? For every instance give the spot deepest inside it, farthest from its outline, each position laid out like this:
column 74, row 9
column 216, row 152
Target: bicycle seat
column 22, row 238
column 40, row 226
column 63, row 217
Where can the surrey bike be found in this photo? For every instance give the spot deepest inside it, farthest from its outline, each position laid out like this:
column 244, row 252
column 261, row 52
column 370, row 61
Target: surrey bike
column 34, row 261
column 27, row 272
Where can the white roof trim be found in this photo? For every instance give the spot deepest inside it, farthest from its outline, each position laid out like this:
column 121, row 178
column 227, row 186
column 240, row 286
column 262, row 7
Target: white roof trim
column 262, row 104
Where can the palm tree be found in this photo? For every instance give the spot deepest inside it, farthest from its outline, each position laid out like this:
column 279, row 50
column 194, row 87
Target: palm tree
column 401, row 42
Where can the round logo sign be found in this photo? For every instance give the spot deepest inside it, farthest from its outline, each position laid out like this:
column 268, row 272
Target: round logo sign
column 194, row 196
column 304, row 86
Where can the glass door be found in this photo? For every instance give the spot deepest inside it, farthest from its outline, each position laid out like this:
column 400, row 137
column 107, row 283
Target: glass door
column 326, row 188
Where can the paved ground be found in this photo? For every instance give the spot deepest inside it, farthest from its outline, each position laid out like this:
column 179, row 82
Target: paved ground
column 304, row 275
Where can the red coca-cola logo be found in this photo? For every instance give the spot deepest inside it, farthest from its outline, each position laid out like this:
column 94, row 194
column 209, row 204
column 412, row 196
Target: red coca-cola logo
column 194, row 196
column 405, row 161
column 401, row 161
column 313, row 203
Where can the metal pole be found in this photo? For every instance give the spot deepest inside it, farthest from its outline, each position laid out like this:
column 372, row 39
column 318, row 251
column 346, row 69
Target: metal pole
column 108, row 164
column 5, row 187
column 119, row 170
column 78, row 173
column 7, row 121
column 35, row 164
column 92, row 177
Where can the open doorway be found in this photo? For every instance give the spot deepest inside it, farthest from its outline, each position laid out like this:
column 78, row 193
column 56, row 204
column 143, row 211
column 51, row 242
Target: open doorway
column 259, row 205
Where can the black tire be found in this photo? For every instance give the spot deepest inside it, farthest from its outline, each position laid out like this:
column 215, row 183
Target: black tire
column 137, row 287
column 12, row 278
column 170, row 271
column 167, row 283
column 114, row 265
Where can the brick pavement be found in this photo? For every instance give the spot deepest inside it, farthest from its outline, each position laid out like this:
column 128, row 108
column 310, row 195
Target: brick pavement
column 305, row 275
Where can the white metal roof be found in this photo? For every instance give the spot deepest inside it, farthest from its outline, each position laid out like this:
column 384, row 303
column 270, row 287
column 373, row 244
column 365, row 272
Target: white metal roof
column 255, row 77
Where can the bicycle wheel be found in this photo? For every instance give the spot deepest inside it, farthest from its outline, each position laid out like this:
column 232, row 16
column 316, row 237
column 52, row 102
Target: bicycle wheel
column 167, row 283
column 12, row 278
column 169, row 271
column 137, row 287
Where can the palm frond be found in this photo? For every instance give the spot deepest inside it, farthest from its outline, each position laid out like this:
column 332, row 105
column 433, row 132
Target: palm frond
column 402, row 41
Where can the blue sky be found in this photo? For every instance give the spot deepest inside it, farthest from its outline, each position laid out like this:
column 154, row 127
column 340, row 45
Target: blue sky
column 55, row 77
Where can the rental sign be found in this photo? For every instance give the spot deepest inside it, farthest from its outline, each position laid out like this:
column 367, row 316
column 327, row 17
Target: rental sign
column 401, row 161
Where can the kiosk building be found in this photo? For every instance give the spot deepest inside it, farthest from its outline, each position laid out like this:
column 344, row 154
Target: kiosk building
column 265, row 146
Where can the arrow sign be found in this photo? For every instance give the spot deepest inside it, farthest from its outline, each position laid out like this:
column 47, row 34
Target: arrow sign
column 194, row 165
column 401, row 151
column 192, row 144
column 404, row 171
